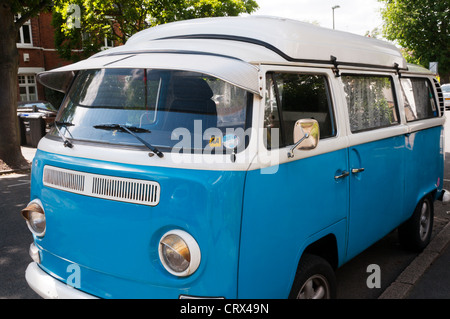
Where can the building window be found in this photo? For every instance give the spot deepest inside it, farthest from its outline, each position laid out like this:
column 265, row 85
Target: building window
column 107, row 43
column 24, row 36
column 27, row 87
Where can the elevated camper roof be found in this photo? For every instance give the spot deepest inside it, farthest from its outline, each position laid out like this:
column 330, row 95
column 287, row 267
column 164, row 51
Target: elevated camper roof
column 231, row 48
column 290, row 39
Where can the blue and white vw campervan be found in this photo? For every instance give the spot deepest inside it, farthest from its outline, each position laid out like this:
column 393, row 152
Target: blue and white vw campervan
column 231, row 157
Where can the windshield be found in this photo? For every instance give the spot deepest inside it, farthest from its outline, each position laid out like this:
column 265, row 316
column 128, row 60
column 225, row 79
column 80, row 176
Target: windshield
column 167, row 109
column 446, row 88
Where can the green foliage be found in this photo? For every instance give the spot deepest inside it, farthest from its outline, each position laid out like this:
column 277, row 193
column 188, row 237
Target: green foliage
column 422, row 28
column 117, row 20
column 25, row 8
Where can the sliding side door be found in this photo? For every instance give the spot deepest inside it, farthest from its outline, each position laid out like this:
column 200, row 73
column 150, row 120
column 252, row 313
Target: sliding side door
column 376, row 159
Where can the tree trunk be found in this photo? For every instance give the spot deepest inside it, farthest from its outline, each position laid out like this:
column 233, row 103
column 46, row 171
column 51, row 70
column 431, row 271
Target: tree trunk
column 10, row 151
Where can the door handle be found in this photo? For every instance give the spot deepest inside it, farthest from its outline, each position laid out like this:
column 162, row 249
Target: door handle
column 357, row 170
column 344, row 174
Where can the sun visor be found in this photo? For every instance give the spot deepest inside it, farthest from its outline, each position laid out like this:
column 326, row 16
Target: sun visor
column 234, row 71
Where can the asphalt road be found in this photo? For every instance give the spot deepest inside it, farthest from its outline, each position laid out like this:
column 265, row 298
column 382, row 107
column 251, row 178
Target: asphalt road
column 15, row 238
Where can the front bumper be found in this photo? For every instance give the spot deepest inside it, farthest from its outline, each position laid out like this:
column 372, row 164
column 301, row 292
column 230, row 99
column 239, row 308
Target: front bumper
column 50, row 288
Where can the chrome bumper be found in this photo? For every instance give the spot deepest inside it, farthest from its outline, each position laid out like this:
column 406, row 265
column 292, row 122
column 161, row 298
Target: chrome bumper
column 48, row 287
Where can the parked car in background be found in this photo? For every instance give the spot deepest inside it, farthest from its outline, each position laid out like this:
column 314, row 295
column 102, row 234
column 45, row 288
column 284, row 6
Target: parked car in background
column 446, row 91
column 35, row 119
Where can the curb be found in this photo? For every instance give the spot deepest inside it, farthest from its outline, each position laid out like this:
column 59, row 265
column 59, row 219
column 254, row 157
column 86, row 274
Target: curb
column 404, row 283
column 16, row 171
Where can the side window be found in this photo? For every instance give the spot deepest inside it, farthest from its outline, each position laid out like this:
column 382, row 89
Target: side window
column 370, row 102
column 419, row 99
column 290, row 97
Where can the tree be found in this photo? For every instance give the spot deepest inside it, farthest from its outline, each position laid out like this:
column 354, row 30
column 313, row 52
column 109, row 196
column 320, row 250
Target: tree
column 117, row 20
column 10, row 25
column 422, row 28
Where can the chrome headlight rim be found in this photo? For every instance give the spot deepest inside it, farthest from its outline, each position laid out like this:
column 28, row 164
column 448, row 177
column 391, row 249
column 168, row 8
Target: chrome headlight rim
column 34, row 207
column 192, row 247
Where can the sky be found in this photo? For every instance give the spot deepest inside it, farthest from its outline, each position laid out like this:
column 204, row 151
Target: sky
column 355, row 16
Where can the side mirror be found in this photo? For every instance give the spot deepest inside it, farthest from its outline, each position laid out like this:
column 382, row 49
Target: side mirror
column 306, row 134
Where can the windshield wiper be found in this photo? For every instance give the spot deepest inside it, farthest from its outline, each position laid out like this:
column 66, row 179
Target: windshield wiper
column 67, row 143
column 130, row 130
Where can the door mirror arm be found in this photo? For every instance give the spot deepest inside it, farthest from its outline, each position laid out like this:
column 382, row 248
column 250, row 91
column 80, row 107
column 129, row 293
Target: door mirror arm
column 291, row 151
column 306, row 131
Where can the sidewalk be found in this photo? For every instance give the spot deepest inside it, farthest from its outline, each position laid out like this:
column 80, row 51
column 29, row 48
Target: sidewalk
column 428, row 276
column 28, row 153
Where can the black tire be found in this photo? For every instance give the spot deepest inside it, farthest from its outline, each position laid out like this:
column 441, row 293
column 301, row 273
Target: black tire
column 315, row 279
column 415, row 233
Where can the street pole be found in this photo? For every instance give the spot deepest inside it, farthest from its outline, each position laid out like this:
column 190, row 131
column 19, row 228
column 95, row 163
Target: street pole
column 332, row 8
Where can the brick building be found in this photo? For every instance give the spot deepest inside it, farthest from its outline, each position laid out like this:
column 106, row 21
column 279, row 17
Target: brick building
column 37, row 53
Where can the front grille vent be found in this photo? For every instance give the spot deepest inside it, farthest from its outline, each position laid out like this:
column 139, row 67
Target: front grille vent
column 128, row 190
column 64, row 179
column 102, row 186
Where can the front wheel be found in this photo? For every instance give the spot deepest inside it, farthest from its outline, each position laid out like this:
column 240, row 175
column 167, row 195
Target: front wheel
column 415, row 233
column 315, row 279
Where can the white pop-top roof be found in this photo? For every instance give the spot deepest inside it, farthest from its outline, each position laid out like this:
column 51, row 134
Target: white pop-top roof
column 231, row 48
column 295, row 40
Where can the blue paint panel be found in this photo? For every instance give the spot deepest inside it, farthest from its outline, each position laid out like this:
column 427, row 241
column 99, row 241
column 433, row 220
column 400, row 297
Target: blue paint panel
column 282, row 214
column 377, row 193
column 116, row 243
column 424, row 167
column 398, row 173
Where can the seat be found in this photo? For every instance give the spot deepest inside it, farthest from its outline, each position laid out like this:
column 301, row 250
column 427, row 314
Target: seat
column 192, row 96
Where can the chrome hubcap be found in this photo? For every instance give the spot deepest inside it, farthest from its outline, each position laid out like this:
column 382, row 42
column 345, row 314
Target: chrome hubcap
column 424, row 221
column 316, row 287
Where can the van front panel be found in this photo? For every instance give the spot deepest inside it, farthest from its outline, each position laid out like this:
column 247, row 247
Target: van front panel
column 115, row 243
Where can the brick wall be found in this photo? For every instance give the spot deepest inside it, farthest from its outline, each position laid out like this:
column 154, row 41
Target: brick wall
column 40, row 54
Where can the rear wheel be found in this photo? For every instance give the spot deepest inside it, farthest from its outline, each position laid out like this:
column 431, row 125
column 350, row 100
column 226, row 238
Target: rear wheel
column 315, row 279
column 415, row 233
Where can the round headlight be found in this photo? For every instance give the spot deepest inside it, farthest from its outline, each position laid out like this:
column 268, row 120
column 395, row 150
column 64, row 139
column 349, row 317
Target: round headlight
column 179, row 253
column 35, row 216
